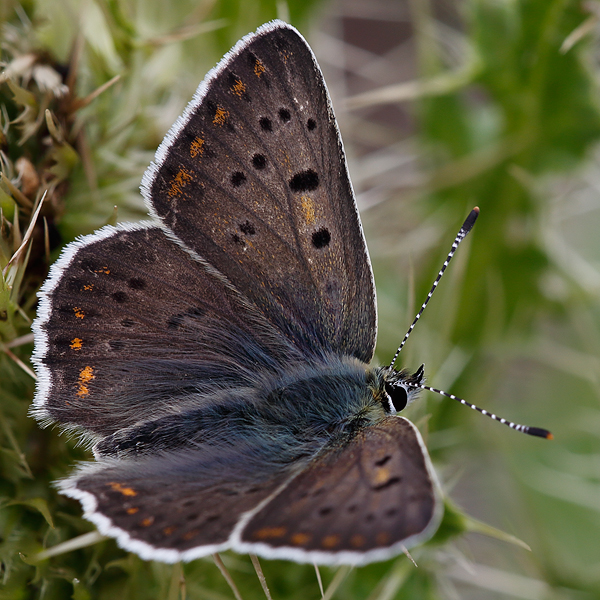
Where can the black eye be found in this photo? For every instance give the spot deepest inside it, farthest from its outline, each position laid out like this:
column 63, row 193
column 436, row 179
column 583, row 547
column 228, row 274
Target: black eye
column 397, row 395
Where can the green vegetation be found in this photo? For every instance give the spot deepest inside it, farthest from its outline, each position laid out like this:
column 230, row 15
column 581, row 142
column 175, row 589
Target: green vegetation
column 512, row 126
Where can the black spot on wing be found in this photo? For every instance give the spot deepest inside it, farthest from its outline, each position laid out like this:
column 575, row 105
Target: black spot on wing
column 266, row 124
column 237, row 179
column 304, row 181
column 321, row 238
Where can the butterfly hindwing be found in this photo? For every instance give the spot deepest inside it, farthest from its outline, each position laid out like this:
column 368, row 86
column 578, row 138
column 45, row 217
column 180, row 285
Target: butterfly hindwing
column 355, row 502
column 170, row 508
column 359, row 502
column 253, row 178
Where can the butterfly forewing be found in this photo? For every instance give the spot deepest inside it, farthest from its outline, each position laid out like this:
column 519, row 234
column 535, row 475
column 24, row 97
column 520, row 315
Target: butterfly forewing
column 134, row 328
column 354, row 503
column 253, row 178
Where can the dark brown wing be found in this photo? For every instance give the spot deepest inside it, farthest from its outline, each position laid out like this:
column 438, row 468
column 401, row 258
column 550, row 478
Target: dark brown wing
column 253, row 178
column 356, row 504
column 131, row 328
column 172, row 507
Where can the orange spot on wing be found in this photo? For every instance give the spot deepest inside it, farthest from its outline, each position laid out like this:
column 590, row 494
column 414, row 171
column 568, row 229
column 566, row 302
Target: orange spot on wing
column 147, row 522
column 308, row 208
column 197, row 147
column 238, row 88
column 300, row 539
column 132, row 510
column 382, row 475
column 168, row 530
column 270, row 532
column 85, row 376
column 221, row 116
column 76, row 344
column 89, row 287
column 357, row 541
column 382, row 538
column 259, row 68
column 190, row 534
column 79, row 313
column 330, row 541
column 103, row 270
column 125, row 490
column 180, row 180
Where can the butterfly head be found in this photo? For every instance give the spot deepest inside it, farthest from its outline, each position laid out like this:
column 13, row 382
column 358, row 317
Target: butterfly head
column 397, row 389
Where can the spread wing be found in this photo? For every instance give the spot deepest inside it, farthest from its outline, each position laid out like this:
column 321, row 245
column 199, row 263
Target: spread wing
column 361, row 502
column 253, row 178
column 131, row 328
column 173, row 507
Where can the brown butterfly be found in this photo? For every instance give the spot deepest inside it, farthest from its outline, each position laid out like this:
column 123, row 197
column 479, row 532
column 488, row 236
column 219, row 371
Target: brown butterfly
column 217, row 357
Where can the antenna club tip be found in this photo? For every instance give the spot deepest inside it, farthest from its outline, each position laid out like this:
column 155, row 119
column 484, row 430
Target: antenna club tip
column 470, row 221
column 543, row 433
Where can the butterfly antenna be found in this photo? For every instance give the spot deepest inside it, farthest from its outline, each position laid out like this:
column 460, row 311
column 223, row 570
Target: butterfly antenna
column 464, row 230
column 537, row 431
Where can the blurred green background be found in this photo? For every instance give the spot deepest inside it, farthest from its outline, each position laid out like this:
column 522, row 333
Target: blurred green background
column 443, row 106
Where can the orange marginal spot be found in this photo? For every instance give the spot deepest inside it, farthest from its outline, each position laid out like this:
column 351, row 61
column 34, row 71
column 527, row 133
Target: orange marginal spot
column 197, row 147
column 79, row 312
column 382, row 475
column 270, row 532
column 147, row 522
column 300, row 539
column 259, row 68
column 357, row 541
column 180, row 180
column 85, row 376
column 132, row 510
column 103, row 270
column 126, row 491
column 76, row 344
column 308, row 207
column 221, row 116
column 190, row 534
column 330, row 541
column 89, row 287
column 169, row 530
column 238, row 88
column 382, row 538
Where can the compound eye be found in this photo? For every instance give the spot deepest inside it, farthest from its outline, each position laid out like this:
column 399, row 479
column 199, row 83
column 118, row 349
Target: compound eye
column 397, row 395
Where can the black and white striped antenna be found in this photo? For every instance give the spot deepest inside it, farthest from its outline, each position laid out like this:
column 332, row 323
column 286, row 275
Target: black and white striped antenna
column 464, row 230
column 537, row 431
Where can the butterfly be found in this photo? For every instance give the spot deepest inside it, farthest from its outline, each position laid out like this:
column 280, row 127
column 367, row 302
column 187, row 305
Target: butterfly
column 217, row 357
